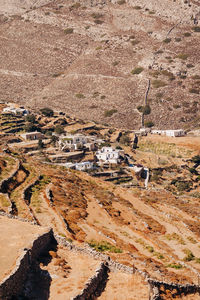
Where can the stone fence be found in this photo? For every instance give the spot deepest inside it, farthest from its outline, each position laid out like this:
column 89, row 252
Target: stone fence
column 13, row 283
column 95, row 284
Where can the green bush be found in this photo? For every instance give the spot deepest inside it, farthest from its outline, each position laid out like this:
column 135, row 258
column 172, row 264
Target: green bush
column 120, row 2
column 40, row 144
column 196, row 159
column 68, row 31
column 137, row 70
column 149, row 124
column 182, row 56
column 30, row 127
column 125, row 140
column 182, row 186
column 109, row 113
column 47, row 112
column 193, row 91
column 175, row 266
column 189, row 255
column 196, row 29
column 187, row 34
column 104, row 246
column 59, row 129
column 158, row 83
column 146, row 110
column 80, row 96
column 30, row 118
column 167, row 40
column 97, row 21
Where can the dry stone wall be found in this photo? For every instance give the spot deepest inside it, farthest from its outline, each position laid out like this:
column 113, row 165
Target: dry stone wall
column 13, row 283
column 95, row 284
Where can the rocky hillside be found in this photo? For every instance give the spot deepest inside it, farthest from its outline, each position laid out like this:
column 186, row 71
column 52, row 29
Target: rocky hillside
column 108, row 61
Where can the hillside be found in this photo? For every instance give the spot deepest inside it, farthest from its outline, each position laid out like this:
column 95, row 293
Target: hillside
column 145, row 235
column 94, row 59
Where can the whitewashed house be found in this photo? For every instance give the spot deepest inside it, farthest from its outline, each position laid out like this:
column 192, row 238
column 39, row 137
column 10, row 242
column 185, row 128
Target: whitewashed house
column 171, row 132
column 175, row 133
column 76, row 142
column 15, row 111
column 109, row 155
column 84, row 166
column 81, row 166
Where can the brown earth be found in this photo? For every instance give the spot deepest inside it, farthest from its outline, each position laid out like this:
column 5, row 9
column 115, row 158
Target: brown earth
column 77, row 56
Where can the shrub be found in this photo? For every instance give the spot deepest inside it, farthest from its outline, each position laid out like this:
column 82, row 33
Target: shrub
column 186, row 34
column 59, row 129
column 109, row 113
column 175, row 266
column 137, row 70
column 176, row 106
column 97, row 21
column 196, row 159
column 115, row 63
column 80, row 96
column 149, row 124
column 135, row 42
column 137, row 7
column 125, row 140
column 140, row 108
column 167, row 41
column 189, row 255
column 96, row 15
column 68, row 31
column 189, row 66
column 193, row 91
column 47, row 112
column 182, row 56
column 40, row 144
column 120, row 2
column 75, row 6
column 104, row 246
column 167, row 73
column 177, row 40
column 30, row 118
column 146, row 110
column 182, row 185
column 29, row 127
column 196, row 29
column 158, row 84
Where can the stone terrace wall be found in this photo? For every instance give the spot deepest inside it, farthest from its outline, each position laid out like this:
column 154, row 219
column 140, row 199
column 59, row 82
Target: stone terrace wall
column 155, row 285
column 95, row 282
column 13, row 283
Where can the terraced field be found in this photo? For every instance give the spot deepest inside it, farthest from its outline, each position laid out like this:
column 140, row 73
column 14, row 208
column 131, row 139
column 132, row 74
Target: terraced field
column 155, row 231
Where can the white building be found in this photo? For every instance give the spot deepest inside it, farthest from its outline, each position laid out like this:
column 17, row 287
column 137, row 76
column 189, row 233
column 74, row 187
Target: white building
column 174, row 133
column 76, row 142
column 82, row 166
column 171, row 132
column 109, row 155
column 15, row 111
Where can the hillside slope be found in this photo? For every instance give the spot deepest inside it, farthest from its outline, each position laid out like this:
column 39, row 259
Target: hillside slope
column 77, row 56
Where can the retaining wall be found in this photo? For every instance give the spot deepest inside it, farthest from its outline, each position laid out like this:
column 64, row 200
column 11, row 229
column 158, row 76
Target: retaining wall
column 13, row 283
column 95, row 283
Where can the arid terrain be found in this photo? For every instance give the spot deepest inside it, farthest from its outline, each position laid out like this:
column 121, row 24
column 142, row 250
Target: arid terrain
column 95, row 59
column 143, row 234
